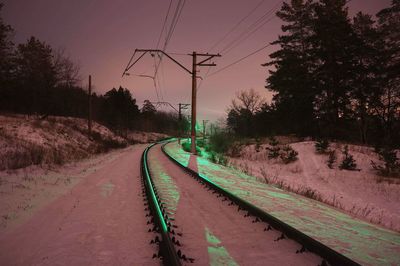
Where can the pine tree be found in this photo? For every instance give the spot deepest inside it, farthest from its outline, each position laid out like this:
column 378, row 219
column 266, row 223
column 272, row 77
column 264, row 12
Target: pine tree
column 6, row 63
column 387, row 107
column 291, row 78
column 36, row 76
column 333, row 48
column 364, row 82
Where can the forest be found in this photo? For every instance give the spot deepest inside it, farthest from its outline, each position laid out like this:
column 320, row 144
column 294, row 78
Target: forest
column 36, row 79
column 333, row 76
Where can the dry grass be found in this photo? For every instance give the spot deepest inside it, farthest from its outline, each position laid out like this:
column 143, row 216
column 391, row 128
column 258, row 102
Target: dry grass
column 26, row 141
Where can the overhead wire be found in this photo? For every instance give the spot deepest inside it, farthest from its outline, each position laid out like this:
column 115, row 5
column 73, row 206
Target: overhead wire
column 245, row 34
column 254, row 27
column 239, row 60
column 178, row 11
column 164, row 23
column 236, row 25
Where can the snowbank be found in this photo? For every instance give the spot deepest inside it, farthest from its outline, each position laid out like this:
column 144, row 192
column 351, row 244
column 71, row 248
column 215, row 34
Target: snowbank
column 362, row 193
column 29, row 140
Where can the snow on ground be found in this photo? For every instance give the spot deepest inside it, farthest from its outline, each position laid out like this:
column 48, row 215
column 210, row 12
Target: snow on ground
column 145, row 137
column 95, row 218
column 29, row 140
column 25, row 191
column 362, row 193
column 361, row 241
column 215, row 233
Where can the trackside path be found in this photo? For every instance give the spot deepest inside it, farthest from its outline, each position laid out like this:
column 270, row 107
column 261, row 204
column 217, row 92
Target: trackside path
column 360, row 241
column 101, row 221
column 212, row 231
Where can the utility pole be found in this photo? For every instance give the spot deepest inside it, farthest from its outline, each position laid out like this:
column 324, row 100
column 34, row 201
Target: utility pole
column 195, row 64
column 204, row 129
column 194, row 91
column 182, row 106
column 194, row 101
column 90, row 108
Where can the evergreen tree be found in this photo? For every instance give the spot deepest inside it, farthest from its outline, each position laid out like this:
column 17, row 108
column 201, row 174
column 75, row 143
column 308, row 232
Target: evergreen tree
column 148, row 108
column 36, row 76
column 388, row 106
column 6, row 63
column 291, row 78
column 333, row 45
column 364, row 79
column 119, row 110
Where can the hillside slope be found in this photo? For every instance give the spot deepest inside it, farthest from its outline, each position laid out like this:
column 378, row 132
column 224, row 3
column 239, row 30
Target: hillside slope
column 362, row 192
column 28, row 140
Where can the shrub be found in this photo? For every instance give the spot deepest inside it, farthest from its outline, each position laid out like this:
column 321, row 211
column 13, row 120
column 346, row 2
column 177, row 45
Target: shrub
column 218, row 158
column 200, row 143
column 220, row 141
column 321, row 146
column 288, row 154
column 186, row 146
column 348, row 162
column 274, row 150
column 331, row 158
column 391, row 164
column 258, row 145
column 235, row 150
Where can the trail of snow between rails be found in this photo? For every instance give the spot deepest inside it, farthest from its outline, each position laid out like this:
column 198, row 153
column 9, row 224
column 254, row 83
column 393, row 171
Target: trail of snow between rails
column 214, row 233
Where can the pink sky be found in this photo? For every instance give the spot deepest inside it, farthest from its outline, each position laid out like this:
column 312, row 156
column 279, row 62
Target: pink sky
column 101, row 36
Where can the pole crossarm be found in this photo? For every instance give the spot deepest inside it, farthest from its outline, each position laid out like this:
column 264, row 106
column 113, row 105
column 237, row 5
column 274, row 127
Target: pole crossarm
column 144, row 51
column 165, row 103
column 184, row 105
column 209, row 57
column 205, row 58
column 130, row 66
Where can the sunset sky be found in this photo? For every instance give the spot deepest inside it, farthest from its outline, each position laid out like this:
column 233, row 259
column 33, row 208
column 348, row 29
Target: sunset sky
column 101, row 35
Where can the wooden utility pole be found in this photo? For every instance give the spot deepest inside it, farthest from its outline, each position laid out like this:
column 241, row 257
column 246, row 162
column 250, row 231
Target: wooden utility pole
column 194, row 91
column 204, row 129
column 182, row 106
column 203, row 62
column 194, row 100
column 90, row 108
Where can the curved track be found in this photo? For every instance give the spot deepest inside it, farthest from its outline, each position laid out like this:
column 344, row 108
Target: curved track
column 201, row 222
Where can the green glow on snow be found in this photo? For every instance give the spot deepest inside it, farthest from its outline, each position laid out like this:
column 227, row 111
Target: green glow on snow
column 153, row 196
column 167, row 189
column 363, row 242
column 217, row 253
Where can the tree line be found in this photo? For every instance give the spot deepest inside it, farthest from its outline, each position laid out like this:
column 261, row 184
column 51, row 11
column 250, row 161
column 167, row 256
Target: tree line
column 36, row 79
column 332, row 76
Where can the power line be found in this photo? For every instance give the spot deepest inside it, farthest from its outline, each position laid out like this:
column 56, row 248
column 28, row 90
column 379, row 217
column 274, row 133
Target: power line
column 174, row 22
column 244, row 35
column 239, row 60
column 255, row 26
column 236, row 25
column 228, row 33
column 165, row 23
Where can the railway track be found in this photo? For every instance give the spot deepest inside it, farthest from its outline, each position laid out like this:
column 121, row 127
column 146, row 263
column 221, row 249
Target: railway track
column 170, row 240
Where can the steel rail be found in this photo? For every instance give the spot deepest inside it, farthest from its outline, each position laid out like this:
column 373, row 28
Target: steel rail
column 331, row 256
column 166, row 248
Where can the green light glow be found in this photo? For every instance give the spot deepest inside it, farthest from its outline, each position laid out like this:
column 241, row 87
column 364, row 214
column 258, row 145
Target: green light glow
column 166, row 186
column 217, row 253
column 153, row 196
column 363, row 242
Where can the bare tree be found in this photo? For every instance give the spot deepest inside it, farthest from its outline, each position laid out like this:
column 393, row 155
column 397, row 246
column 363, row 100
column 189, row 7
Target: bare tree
column 250, row 100
column 67, row 71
